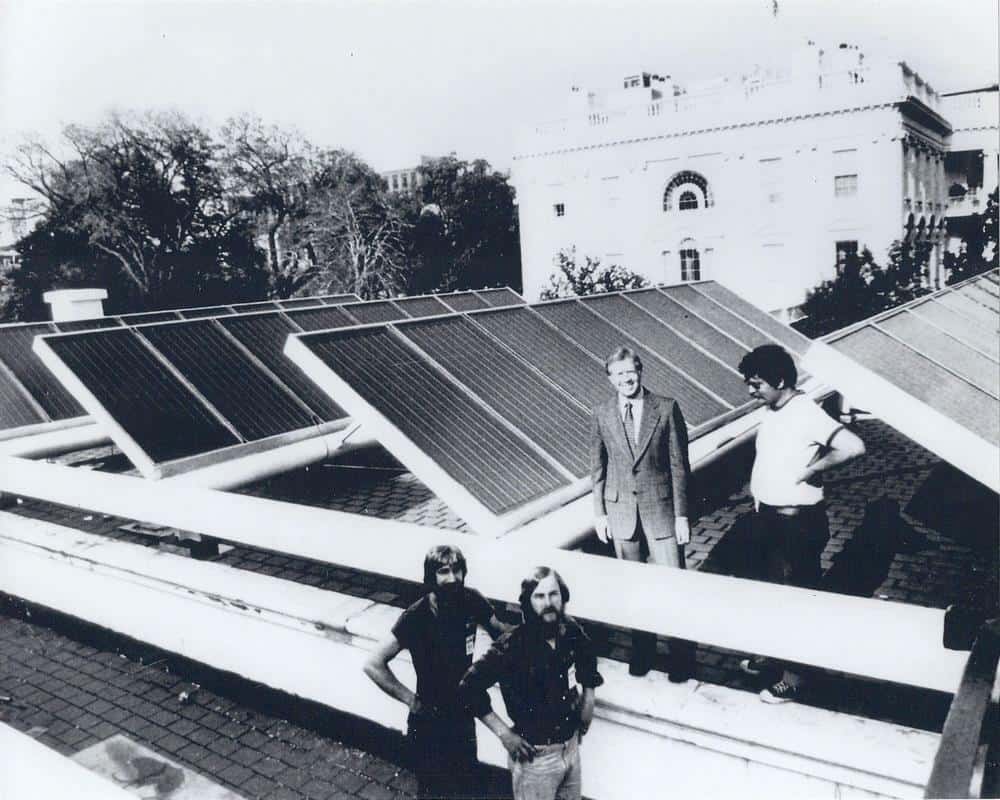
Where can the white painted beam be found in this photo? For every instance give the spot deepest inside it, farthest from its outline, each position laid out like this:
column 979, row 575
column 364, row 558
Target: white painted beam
column 289, row 636
column 886, row 641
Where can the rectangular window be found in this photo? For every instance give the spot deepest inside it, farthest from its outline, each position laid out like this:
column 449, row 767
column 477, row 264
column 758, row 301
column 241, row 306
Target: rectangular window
column 845, row 185
column 690, row 265
column 772, row 180
column 560, row 209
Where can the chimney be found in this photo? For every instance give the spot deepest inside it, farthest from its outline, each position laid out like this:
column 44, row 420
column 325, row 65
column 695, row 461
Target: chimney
column 70, row 304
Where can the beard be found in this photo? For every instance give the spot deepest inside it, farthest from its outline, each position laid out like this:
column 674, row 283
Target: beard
column 550, row 627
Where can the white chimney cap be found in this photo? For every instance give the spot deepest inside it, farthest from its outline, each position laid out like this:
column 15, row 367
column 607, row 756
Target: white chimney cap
column 70, row 304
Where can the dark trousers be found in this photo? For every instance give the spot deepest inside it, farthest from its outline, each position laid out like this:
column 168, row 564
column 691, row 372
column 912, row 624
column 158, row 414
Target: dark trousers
column 443, row 756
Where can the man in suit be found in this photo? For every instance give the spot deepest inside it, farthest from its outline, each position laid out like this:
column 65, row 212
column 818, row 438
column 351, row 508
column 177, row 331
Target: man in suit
column 640, row 472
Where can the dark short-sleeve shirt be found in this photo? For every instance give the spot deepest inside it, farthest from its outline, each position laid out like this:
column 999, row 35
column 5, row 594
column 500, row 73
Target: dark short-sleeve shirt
column 541, row 685
column 441, row 645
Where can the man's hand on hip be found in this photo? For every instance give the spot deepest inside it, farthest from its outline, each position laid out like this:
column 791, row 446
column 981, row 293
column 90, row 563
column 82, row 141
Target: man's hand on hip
column 682, row 530
column 601, row 526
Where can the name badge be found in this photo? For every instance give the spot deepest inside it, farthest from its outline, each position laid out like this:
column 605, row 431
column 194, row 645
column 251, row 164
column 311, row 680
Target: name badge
column 571, row 677
column 470, row 643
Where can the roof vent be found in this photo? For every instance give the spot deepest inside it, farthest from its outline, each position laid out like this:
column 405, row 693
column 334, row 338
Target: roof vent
column 70, row 304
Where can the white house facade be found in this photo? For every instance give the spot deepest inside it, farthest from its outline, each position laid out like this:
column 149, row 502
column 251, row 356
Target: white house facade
column 761, row 182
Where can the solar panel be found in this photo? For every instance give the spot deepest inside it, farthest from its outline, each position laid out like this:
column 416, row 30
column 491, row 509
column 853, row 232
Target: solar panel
column 515, row 391
column 791, row 339
column 16, row 407
column 96, row 323
column 320, row 319
column 264, row 335
column 961, row 327
column 577, row 371
column 498, row 298
column 722, row 381
column 374, row 311
column 931, row 384
column 600, row 338
column 149, row 317
column 981, row 296
column 140, row 394
column 951, row 353
column 17, row 355
column 253, row 308
column 426, row 306
column 689, row 325
column 300, row 302
column 729, row 321
column 227, row 378
column 989, row 286
column 969, row 308
column 207, row 311
column 463, row 301
column 468, row 443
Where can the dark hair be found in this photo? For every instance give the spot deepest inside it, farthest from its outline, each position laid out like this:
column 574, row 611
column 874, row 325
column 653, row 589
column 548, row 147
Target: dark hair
column 440, row 556
column 529, row 584
column 623, row 354
column 772, row 363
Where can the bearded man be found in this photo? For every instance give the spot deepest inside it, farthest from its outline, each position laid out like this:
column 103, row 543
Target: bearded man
column 439, row 630
column 547, row 670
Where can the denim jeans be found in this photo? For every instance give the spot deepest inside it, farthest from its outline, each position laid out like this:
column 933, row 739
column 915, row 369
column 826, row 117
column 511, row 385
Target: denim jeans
column 554, row 773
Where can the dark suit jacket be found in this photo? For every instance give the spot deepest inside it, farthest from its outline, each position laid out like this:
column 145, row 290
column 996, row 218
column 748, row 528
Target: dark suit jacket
column 652, row 483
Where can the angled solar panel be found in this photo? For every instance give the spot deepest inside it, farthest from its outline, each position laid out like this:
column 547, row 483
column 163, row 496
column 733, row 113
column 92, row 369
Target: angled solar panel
column 253, row 308
column 17, row 408
column 600, row 338
column 456, row 443
column 748, row 318
column 699, row 366
column 577, row 371
column 320, row 319
column 513, row 389
column 76, row 325
column 463, row 301
column 19, row 359
column 371, row 311
column 919, row 369
column 500, row 298
column 206, row 311
column 264, row 336
column 425, row 306
column 228, row 379
column 122, row 383
column 148, row 317
column 301, row 302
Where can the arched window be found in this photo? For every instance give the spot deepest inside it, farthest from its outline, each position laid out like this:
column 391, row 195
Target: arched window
column 688, row 200
column 687, row 190
column 690, row 260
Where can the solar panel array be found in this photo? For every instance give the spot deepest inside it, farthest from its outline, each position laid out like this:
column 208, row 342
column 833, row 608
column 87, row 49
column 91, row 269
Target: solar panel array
column 491, row 407
column 941, row 350
column 186, row 388
column 31, row 395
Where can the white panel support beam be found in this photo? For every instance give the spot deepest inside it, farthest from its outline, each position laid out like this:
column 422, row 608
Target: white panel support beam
column 885, row 641
column 941, row 435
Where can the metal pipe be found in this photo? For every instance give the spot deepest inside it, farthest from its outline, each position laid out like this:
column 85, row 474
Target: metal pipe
column 56, row 442
column 248, row 469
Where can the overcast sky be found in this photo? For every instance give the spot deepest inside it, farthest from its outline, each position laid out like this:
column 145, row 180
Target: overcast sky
column 393, row 79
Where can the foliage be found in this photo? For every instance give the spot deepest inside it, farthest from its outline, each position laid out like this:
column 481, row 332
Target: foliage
column 137, row 204
column 267, row 171
column 980, row 249
column 862, row 288
column 591, row 277
column 462, row 229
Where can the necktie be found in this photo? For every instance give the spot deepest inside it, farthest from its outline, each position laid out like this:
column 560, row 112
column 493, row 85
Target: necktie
column 630, row 427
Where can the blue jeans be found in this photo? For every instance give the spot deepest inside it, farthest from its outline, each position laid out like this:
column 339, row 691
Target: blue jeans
column 554, row 773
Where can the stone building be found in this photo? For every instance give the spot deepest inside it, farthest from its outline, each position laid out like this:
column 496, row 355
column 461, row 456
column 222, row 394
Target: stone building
column 762, row 181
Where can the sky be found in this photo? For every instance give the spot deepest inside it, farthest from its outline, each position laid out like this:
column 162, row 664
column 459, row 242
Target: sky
column 395, row 79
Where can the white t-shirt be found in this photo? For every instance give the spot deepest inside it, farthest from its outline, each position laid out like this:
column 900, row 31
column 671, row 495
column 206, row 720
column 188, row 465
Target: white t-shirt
column 787, row 441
